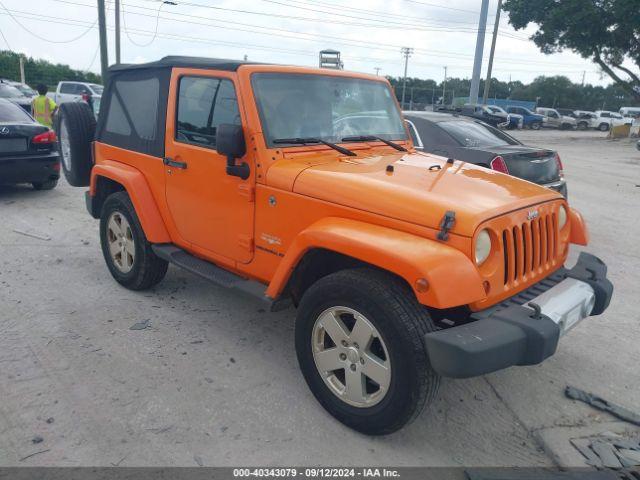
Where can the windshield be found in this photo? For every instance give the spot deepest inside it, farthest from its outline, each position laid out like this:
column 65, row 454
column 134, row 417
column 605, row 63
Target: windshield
column 97, row 89
column 9, row 112
column 7, row 91
column 472, row 134
column 325, row 107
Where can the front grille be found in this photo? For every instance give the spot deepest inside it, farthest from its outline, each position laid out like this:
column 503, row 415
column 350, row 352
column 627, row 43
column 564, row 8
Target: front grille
column 530, row 248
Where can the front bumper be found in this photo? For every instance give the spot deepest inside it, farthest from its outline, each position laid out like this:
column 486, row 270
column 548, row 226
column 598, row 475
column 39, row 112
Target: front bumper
column 524, row 329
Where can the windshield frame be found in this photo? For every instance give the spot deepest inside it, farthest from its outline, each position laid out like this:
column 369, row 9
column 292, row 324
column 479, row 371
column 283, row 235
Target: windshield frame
column 264, row 124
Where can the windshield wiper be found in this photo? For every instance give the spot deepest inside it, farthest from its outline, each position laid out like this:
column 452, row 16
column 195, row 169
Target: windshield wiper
column 304, row 141
column 370, row 138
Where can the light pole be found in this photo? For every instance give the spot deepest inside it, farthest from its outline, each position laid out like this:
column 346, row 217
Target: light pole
column 493, row 49
column 477, row 61
column 444, row 85
column 406, row 51
column 102, row 26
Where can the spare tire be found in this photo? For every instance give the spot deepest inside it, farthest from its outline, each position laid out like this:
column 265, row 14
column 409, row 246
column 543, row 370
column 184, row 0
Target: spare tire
column 75, row 126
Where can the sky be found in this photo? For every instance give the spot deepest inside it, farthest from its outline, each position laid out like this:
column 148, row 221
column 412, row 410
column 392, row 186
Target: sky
column 368, row 33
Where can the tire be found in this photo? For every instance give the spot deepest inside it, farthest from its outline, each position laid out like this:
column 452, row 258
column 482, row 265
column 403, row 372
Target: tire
column 388, row 308
column 582, row 126
column 603, row 127
column 75, row 127
column 536, row 126
column 46, row 185
column 136, row 267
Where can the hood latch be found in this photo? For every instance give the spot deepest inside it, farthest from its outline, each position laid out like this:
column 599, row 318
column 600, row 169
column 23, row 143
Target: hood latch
column 447, row 223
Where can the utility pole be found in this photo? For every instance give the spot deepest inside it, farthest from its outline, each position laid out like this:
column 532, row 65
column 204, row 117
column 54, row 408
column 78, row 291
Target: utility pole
column 487, row 82
column 22, row 79
column 477, row 61
column 102, row 24
column 444, row 85
column 117, row 25
column 406, row 51
column 583, row 74
column 377, row 69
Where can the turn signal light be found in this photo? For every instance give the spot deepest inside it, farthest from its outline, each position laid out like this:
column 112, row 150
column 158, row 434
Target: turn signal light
column 46, row 137
column 498, row 164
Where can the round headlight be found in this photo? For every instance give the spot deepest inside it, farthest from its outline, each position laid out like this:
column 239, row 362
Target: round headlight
column 483, row 246
column 562, row 217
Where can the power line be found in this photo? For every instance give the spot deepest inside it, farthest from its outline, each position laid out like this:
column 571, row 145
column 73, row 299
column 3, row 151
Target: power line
column 6, row 41
column 155, row 32
column 48, row 39
column 314, row 37
column 428, row 4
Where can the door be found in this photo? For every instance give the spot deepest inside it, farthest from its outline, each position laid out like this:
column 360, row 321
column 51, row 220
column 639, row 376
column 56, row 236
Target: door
column 68, row 92
column 210, row 209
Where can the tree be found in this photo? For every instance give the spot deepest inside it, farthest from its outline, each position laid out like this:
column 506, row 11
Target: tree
column 606, row 31
column 40, row 71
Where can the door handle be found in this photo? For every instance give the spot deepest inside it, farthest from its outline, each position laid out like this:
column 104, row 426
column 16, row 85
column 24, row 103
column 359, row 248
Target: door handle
column 172, row 163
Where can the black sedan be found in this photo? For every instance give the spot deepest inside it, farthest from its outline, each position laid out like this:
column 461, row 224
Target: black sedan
column 476, row 142
column 28, row 152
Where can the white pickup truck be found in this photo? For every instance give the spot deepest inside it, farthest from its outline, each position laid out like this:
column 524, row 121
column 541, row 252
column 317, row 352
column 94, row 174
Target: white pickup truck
column 601, row 120
column 77, row 92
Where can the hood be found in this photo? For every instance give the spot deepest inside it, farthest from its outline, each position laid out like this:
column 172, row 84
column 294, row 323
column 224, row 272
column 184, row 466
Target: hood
column 417, row 188
column 567, row 119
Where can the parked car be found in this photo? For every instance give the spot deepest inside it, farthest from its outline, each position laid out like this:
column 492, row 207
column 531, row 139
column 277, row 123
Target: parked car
column 513, row 120
column 482, row 112
column 529, row 119
column 25, row 89
column 28, row 151
column 14, row 95
column 481, row 144
column 606, row 119
column 631, row 112
column 404, row 266
column 553, row 119
column 77, row 92
column 585, row 119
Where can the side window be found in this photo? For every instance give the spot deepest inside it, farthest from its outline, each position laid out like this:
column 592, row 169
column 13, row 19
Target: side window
column 203, row 104
column 605, row 115
column 68, row 88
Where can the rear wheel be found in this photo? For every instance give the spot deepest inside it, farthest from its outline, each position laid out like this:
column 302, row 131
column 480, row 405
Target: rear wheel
column 582, row 126
column 359, row 345
column 75, row 126
column 603, row 127
column 46, row 185
column 126, row 250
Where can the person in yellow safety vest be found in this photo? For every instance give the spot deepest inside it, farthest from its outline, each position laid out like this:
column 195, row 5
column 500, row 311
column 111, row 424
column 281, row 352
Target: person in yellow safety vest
column 42, row 107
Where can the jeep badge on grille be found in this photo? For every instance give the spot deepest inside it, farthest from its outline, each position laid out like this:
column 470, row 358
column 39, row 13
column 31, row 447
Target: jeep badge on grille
column 531, row 214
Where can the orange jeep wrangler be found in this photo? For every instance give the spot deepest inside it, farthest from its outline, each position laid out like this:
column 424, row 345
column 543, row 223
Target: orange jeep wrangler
column 301, row 186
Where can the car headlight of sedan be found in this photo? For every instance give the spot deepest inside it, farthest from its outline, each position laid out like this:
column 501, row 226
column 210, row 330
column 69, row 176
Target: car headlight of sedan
column 483, row 246
column 562, row 217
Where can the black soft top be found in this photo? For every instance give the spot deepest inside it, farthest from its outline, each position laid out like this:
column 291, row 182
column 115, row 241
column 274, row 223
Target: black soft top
column 185, row 62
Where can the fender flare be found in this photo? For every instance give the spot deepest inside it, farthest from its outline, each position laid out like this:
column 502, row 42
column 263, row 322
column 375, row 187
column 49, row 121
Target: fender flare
column 452, row 277
column 579, row 233
column 141, row 196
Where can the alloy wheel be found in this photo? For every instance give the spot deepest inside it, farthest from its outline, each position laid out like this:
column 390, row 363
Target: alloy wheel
column 122, row 248
column 351, row 356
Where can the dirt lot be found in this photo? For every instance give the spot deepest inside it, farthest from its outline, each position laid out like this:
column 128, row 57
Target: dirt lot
column 214, row 380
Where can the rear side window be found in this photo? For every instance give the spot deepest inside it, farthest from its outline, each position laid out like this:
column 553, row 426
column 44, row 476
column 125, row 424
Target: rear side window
column 203, row 104
column 472, row 134
column 133, row 111
column 68, row 88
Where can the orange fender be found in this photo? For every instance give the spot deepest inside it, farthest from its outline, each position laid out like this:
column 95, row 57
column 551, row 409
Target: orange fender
column 579, row 232
column 138, row 189
column 453, row 279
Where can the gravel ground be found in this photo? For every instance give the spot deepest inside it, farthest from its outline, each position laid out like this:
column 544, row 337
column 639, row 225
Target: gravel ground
column 214, row 381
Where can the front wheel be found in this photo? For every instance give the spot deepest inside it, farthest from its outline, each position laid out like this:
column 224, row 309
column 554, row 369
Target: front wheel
column 536, row 126
column 603, row 127
column 360, row 348
column 126, row 250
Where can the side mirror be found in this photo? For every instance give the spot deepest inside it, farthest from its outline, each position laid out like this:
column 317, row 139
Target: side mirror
column 230, row 142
